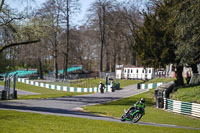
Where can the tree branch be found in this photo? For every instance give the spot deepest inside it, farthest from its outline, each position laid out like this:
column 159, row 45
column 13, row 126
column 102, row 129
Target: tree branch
column 17, row 44
column 1, row 6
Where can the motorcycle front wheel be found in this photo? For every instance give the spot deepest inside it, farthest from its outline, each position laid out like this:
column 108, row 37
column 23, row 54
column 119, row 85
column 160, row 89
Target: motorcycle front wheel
column 136, row 117
column 123, row 117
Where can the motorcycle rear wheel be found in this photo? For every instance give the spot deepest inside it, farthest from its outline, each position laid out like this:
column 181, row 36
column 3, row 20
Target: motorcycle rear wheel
column 136, row 117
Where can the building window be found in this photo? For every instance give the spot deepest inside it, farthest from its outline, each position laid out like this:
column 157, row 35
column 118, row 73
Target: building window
column 149, row 70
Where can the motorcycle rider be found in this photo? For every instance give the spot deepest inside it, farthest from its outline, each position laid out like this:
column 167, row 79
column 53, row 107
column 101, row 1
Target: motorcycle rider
column 140, row 105
column 101, row 87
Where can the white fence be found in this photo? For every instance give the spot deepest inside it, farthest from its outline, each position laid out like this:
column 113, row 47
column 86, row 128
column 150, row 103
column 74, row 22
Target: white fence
column 64, row 88
column 186, row 108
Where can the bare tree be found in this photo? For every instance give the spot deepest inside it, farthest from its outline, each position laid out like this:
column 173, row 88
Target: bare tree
column 115, row 24
column 51, row 16
column 8, row 28
column 71, row 7
column 98, row 17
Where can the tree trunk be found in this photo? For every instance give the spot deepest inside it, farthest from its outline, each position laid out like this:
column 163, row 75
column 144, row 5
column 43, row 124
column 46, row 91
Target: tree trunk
column 179, row 71
column 101, row 16
column 134, row 57
column 40, row 68
column 66, row 56
column 56, row 64
column 65, row 72
column 107, row 60
column 114, row 61
column 119, row 56
column 194, row 68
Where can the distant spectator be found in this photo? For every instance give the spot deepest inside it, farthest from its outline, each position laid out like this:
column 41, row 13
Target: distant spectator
column 188, row 77
column 112, row 86
column 101, row 87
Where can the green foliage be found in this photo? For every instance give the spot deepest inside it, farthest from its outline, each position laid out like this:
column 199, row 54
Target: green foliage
column 153, row 39
column 187, row 31
column 171, row 34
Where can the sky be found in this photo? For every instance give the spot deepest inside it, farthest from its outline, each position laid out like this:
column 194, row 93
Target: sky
column 78, row 20
column 19, row 4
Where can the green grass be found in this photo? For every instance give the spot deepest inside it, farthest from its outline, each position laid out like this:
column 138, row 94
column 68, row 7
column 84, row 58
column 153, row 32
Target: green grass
column 115, row 109
column 155, row 80
column 49, row 93
column 44, row 92
column 124, row 82
column 84, row 83
column 94, row 82
column 187, row 94
column 20, row 122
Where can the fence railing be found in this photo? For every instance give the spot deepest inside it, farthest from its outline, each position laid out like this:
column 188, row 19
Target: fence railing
column 64, row 88
column 186, row 108
column 9, row 91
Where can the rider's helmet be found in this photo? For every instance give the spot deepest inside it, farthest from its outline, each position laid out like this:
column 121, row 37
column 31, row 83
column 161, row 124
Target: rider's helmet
column 142, row 100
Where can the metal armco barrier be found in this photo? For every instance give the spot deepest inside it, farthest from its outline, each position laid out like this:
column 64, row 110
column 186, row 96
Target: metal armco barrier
column 9, row 91
column 162, row 92
column 186, row 108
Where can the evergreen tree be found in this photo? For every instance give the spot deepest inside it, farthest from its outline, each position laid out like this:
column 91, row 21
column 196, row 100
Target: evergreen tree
column 170, row 34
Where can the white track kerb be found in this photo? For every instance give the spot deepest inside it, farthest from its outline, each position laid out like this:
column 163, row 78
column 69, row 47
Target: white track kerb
column 149, row 85
column 64, row 88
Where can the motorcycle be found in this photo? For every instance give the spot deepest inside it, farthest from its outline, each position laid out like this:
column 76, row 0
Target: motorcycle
column 134, row 114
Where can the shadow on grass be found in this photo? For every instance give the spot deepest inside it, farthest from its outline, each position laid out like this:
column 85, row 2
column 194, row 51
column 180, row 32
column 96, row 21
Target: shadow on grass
column 87, row 100
column 47, row 110
column 188, row 86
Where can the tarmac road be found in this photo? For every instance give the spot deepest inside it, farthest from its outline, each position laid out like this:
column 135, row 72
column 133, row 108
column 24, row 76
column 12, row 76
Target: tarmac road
column 71, row 106
column 21, row 92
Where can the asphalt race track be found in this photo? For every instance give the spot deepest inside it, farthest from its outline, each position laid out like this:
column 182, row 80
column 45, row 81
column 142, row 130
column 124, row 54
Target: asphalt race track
column 71, row 106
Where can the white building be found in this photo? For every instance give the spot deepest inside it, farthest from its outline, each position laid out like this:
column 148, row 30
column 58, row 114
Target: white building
column 134, row 73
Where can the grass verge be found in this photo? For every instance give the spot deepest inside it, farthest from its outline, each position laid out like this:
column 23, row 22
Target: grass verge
column 154, row 115
column 43, row 92
column 187, row 94
column 155, row 80
column 124, row 82
column 93, row 82
column 20, row 122
column 83, row 83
